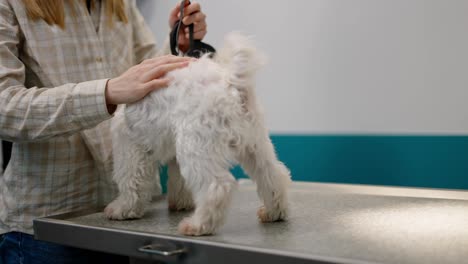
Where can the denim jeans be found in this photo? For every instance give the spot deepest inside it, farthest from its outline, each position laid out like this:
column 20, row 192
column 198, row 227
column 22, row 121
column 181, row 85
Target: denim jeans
column 20, row 248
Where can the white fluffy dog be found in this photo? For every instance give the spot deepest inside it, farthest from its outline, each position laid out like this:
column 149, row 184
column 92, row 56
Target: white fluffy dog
column 207, row 121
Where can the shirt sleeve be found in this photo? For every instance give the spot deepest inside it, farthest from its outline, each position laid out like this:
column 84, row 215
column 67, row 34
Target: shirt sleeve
column 145, row 46
column 40, row 113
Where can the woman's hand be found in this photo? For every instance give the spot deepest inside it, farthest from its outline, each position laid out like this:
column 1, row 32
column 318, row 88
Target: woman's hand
column 192, row 15
column 141, row 79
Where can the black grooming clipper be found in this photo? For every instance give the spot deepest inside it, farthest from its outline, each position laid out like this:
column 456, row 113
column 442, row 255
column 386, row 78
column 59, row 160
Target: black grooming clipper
column 197, row 48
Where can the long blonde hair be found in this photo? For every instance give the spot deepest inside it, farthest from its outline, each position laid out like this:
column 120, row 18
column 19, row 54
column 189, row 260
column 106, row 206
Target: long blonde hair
column 53, row 11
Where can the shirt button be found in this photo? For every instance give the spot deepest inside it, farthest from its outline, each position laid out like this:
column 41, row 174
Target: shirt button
column 99, row 59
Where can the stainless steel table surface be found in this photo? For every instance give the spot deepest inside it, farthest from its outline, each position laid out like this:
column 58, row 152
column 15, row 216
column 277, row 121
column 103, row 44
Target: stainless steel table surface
column 329, row 223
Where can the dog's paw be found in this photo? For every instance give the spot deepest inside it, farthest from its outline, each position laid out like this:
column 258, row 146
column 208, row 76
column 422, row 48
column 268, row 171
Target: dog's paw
column 266, row 216
column 118, row 210
column 188, row 228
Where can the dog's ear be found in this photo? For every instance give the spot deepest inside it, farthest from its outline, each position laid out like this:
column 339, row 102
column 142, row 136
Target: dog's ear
column 241, row 57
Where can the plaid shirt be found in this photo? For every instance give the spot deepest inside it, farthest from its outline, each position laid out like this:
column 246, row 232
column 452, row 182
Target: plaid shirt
column 52, row 106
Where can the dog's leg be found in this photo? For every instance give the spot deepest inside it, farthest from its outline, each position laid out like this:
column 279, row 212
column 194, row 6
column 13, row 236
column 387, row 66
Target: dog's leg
column 271, row 176
column 135, row 172
column 212, row 186
column 179, row 196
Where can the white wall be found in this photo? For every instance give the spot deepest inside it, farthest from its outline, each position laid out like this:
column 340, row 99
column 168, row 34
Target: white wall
column 351, row 66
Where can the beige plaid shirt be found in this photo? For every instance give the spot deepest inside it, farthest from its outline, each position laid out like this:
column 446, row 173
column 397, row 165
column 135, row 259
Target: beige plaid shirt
column 52, row 106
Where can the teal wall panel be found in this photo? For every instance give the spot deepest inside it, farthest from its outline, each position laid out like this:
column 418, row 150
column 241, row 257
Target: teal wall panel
column 413, row 161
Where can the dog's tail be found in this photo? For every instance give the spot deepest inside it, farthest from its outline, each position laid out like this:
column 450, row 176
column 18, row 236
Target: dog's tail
column 242, row 59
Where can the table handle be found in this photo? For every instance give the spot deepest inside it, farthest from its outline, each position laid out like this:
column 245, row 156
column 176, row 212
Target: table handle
column 161, row 250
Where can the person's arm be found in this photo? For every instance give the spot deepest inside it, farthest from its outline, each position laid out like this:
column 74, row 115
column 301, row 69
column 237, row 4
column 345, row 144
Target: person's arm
column 40, row 113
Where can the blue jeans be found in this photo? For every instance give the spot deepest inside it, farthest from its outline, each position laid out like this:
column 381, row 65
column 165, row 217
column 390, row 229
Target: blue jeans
column 20, row 248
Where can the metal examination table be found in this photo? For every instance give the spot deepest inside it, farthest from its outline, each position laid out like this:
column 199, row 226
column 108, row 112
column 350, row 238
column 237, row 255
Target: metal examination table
column 329, row 223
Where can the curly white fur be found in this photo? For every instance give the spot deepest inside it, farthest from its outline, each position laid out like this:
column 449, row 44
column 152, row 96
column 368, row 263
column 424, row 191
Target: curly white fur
column 207, row 121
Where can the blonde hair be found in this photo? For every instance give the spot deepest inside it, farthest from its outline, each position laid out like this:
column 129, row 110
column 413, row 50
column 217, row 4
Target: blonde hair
column 53, row 11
